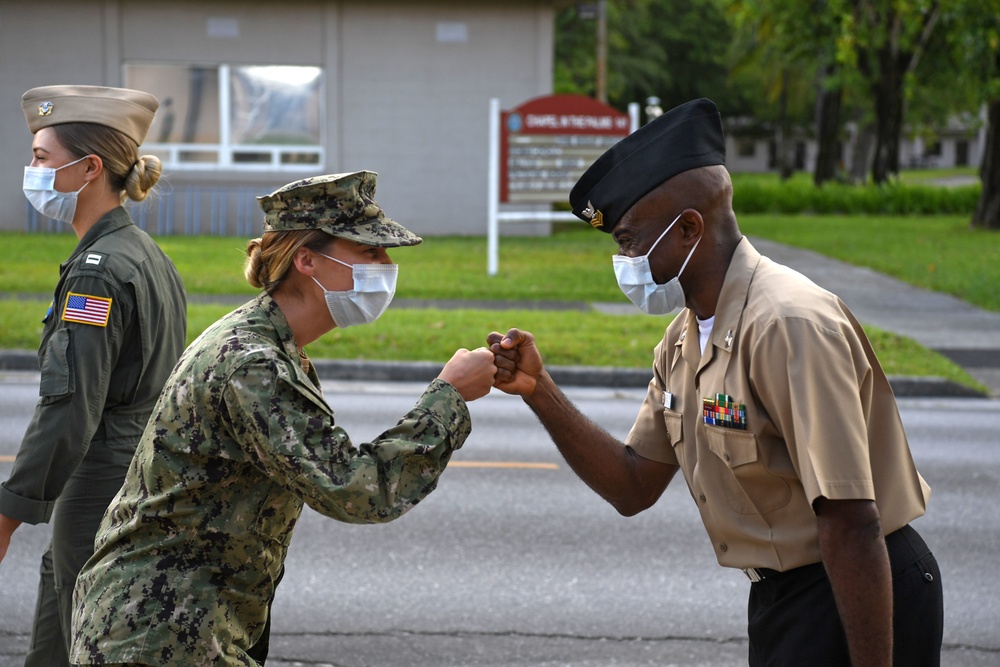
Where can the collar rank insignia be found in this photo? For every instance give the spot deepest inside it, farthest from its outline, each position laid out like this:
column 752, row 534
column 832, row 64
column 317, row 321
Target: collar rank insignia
column 45, row 109
column 729, row 338
column 596, row 217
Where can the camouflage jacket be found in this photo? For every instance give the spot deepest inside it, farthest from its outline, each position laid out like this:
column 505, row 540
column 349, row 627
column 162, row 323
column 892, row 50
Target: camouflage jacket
column 189, row 553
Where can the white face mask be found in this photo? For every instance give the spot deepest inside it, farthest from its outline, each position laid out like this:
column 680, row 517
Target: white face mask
column 39, row 188
column 635, row 279
column 374, row 287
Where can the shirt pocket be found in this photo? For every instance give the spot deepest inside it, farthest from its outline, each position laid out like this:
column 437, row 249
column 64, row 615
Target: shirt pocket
column 673, row 421
column 58, row 377
column 748, row 486
column 300, row 383
column 276, row 516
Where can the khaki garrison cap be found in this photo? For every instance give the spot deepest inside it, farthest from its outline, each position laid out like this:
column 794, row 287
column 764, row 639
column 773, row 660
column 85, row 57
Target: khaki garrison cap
column 128, row 111
column 339, row 204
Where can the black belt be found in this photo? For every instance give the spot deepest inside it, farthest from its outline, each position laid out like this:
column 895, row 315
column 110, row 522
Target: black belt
column 756, row 574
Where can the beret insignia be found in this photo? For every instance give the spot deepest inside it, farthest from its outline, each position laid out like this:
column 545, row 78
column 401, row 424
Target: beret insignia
column 596, row 217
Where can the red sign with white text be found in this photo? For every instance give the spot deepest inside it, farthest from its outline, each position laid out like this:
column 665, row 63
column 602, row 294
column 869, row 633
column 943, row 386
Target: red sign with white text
column 548, row 142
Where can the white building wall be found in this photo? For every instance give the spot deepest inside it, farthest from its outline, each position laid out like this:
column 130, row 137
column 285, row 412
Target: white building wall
column 414, row 104
column 36, row 50
column 746, row 155
column 407, row 83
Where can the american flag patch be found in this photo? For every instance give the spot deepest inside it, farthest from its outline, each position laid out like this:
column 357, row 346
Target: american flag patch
column 87, row 309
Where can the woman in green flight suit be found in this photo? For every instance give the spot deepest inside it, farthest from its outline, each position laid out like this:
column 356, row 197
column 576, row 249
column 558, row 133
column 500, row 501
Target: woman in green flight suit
column 116, row 327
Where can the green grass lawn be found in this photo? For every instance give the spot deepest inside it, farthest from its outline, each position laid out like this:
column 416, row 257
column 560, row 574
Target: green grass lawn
column 566, row 338
column 940, row 253
column 573, row 264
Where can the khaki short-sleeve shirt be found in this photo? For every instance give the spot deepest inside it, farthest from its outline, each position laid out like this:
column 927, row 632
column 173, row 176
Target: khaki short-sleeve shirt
column 821, row 419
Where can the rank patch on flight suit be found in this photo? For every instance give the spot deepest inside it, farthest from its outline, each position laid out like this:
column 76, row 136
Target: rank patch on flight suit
column 86, row 309
column 93, row 259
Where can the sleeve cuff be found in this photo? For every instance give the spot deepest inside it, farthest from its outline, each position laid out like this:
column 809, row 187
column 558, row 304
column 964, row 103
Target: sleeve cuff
column 446, row 405
column 25, row 510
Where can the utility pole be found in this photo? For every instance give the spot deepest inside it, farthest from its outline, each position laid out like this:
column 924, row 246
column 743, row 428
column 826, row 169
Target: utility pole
column 602, row 51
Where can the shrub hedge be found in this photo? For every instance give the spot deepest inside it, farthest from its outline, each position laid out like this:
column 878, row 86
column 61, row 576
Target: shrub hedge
column 894, row 198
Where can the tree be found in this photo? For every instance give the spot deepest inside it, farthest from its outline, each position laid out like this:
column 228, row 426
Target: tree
column 850, row 46
column 780, row 48
column 788, row 67
column 829, row 101
column 663, row 48
column 973, row 31
column 987, row 213
column 885, row 39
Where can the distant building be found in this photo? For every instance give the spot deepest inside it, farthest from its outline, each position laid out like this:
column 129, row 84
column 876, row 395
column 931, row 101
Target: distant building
column 256, row 94
column 959, row 144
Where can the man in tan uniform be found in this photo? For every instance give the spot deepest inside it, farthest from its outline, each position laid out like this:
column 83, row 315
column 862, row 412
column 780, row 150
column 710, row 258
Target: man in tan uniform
column 767, row 396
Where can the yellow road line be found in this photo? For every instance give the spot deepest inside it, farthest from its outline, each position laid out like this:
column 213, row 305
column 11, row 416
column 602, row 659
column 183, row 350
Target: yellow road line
column 502, row 464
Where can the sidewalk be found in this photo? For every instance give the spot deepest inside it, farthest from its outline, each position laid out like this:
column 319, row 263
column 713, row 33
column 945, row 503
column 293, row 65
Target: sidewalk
column 967, row 335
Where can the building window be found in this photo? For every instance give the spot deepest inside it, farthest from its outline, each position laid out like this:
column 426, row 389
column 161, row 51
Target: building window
column 256, row 117
column 746, row 148
column 961, row 153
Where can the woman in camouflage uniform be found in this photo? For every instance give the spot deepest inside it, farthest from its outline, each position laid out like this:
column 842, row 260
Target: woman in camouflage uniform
column 190, row 552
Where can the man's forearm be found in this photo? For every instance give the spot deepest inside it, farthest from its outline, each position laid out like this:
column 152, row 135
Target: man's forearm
column 628, row 482
column 857, row 564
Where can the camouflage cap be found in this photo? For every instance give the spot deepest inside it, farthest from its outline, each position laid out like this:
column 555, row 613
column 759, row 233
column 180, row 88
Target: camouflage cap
column 123, row 109
column 340, row 204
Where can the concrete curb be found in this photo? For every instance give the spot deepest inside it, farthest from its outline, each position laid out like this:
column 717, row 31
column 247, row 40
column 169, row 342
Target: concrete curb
column 571, row 376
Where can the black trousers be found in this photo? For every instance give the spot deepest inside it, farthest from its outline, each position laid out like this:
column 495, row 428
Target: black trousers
column 793, row 618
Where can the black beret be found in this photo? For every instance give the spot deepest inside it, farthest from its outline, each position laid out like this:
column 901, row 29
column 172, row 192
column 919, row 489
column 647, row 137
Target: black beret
column 686, row 137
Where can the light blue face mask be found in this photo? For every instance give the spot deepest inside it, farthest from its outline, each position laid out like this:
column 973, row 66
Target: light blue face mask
column 635, row 279
column 40, row 189
column 374, row 287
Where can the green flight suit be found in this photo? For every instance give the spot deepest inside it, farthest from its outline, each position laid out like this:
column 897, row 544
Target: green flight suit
column 189, row 553
column 116, row 327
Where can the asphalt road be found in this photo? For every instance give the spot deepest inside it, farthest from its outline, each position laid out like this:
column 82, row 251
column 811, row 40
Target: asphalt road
column 514, row 562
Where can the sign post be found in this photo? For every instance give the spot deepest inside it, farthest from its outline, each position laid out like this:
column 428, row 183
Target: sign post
column 540, row 149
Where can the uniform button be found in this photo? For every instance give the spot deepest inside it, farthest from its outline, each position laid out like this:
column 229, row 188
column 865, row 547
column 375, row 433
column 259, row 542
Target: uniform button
column 701, row 497
column 724, row 547
column 928, row 576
